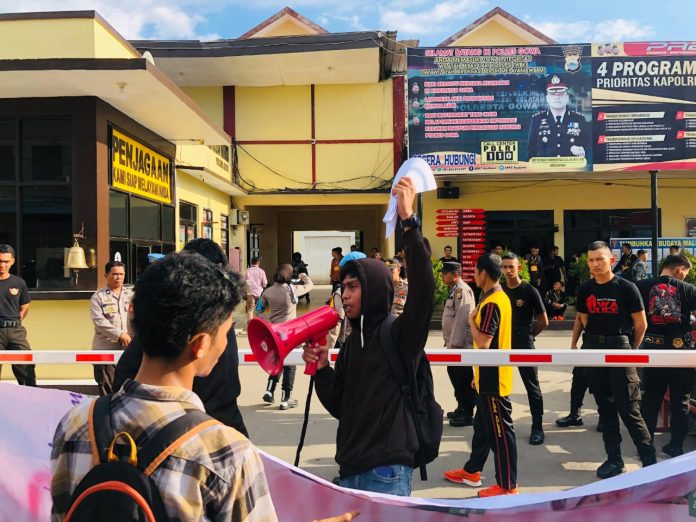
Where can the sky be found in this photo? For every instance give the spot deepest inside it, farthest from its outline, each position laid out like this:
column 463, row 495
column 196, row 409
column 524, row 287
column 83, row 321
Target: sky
column 430, row 21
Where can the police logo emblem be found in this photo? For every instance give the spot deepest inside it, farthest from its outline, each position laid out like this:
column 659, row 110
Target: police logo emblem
column 458, row 295
column 678, row 342
column 572, row 55
column 14, row 291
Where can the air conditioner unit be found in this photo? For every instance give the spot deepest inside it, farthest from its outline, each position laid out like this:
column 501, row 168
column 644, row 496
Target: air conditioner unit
column 239, row 217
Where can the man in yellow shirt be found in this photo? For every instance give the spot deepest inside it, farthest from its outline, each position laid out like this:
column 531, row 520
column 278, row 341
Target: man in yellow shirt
column 491, row 328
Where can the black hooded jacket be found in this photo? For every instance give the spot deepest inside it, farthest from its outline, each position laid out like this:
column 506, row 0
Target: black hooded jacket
column 374, row 426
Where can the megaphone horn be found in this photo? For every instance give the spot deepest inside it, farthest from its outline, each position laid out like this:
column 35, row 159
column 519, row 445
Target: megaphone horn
column 271, row 343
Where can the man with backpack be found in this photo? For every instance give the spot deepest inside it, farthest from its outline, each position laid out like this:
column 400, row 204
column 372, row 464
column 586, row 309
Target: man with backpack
column 377, row 443
column 149, row 450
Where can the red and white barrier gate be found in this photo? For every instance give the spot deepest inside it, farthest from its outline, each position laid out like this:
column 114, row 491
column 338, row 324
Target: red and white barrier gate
column 442, row 357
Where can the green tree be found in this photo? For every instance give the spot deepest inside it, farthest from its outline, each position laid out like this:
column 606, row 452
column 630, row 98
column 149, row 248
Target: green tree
column 441, row 289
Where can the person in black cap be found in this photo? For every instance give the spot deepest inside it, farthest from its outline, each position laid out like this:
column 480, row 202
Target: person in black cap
column 457, row 334
column 558, row 131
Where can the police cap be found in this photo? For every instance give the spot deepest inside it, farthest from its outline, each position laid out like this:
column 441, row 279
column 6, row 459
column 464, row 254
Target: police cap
column 555, row 83
column 451, row 266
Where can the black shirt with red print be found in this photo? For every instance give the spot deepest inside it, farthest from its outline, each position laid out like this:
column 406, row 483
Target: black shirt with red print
column 609, row 306
column 13, row 294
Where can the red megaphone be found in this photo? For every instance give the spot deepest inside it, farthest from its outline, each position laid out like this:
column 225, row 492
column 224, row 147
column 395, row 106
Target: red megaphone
column 271, row 343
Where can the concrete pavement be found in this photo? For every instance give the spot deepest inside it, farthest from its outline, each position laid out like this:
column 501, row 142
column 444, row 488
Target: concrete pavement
column 567, row 459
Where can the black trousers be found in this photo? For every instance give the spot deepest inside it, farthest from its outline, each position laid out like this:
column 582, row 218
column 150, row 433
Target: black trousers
column 680, row 382
column 462, row 378
column 522, row 340
column 617, row 392
column 578, row 388
column 530, row 378
column 288, row 374
column 15, row 338
column 494, row 431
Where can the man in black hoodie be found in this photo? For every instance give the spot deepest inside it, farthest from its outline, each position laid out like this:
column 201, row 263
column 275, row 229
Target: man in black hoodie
column 220, row 389
column 376, row 443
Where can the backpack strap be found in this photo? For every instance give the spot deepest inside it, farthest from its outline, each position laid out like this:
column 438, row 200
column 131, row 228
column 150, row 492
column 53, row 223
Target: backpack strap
column 404, row 383
column 100, row 431
column 170, row 437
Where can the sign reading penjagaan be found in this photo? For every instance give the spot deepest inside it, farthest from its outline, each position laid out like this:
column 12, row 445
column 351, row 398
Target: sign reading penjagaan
column 139, row 170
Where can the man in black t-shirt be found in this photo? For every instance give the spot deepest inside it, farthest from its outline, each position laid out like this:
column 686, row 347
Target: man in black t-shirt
column 528, row 320
column 536, row 268
column 624, row 267
column 448, row 257
column 669, row 303
column 554, row 267
column 611, row 311
column 14, row 307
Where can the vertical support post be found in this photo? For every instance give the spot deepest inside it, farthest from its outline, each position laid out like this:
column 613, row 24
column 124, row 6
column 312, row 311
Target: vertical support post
column 655, row 219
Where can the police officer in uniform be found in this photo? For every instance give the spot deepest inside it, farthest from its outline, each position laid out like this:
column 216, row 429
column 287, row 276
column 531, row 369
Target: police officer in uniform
column 611, row 311
column 529, row 319
column 109, row 309
column 457, row 334
column 400, row 286
column 669, row 303
column 14, row 307
column 557, row 131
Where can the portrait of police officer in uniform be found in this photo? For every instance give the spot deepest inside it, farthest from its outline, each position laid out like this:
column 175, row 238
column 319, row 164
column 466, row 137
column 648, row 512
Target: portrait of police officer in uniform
column 558, row 131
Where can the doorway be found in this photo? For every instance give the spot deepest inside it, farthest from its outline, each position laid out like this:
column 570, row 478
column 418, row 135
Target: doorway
column 519, row 230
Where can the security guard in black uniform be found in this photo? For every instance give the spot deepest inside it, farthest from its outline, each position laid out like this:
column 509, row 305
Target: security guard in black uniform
column 611, row 311
column 669, row 303
column 557, row 131
column 529, row 319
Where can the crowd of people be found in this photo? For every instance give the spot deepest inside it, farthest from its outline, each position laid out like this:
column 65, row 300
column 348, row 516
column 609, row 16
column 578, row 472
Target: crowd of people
column 180, row 356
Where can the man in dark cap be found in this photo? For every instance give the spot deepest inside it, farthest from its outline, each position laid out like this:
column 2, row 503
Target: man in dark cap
column 557, row 131
column 457, row 334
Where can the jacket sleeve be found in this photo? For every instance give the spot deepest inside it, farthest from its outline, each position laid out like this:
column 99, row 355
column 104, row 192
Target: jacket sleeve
column 305, row 288
column 461, row 334
column 102, row 326
column 411, row 327
column 329, row 383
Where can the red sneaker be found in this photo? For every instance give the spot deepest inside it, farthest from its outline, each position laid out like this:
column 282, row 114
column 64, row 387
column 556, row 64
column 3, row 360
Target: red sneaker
column 496, row 490
column 460, row 476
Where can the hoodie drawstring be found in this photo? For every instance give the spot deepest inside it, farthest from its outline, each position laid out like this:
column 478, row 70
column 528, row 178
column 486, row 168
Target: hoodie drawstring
column 362, row 338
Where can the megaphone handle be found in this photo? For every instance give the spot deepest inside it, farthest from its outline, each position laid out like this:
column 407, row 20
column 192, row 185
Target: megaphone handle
column 311, row 368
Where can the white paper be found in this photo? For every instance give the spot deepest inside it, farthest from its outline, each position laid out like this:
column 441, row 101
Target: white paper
column 423, row 180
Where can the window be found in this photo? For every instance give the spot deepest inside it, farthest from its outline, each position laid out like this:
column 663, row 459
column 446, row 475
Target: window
column 47, row 150
column 118, row 214
column 144, row 219
column 46, row 232
column 8, row 153
column 207, row 224
column 225, row 234
column 188, row 219
column 36, row 197
column 168, row 229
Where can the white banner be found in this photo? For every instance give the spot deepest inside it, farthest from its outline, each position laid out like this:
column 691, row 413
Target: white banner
column 660, row 493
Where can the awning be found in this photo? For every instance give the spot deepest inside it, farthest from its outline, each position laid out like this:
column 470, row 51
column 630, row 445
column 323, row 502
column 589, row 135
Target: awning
column 133, row 86
column 334, row 58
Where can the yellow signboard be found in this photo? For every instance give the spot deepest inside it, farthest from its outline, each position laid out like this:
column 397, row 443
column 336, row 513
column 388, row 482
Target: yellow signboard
column 139, row 170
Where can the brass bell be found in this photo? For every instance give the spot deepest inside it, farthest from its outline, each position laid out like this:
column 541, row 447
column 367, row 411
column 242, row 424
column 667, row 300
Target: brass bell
column 76, row 257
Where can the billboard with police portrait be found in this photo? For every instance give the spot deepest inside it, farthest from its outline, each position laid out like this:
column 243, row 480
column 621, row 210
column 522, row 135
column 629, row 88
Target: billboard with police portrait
column 553, row 108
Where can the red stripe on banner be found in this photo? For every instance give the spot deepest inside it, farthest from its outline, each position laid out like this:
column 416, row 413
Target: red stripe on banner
column 249, row 357
column 93, row 357
column 629, row 359
column 531, row 358
column 24, row 357
column 445, row 357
